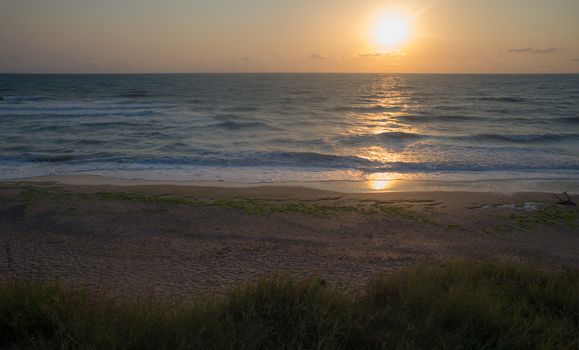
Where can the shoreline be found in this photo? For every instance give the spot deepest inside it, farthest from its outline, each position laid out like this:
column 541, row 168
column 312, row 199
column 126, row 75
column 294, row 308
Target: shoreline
column 381, row 185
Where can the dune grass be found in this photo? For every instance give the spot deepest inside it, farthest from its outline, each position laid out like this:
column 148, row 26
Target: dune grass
column 459, row 305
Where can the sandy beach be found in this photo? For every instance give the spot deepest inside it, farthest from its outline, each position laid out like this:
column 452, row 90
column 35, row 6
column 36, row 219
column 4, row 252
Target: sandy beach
column 289, row 175
column 177, row 241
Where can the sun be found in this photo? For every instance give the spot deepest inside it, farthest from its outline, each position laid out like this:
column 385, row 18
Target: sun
column 391, row 31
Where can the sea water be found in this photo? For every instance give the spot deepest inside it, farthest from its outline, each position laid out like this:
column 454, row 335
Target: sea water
column 282, row 128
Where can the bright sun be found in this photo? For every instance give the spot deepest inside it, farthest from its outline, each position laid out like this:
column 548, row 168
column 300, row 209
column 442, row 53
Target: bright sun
column 391, row 31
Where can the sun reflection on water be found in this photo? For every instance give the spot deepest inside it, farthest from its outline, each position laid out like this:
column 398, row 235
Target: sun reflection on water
column 381, row 182
column 379, row 129
column 379, row 185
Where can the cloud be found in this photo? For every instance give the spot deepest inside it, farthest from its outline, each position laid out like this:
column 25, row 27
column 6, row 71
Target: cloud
column 534, row 51
column 550, row 50
column 373, row 54
column 242, row 59
column 525, row 50
column 575, row 60
column 315, row 56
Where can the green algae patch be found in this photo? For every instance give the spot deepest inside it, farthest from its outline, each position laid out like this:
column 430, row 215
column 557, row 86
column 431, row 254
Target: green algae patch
column 249, row 206
column 555, row 215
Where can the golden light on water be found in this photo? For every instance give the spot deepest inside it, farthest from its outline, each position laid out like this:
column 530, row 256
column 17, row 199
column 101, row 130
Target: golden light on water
column 380, row 121
column 380, row 182
column 379, row 185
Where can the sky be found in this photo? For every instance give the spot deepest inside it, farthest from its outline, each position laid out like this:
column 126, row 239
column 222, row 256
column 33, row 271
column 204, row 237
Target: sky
column 171, row 36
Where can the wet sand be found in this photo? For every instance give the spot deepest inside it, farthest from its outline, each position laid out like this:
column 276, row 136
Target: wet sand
column 179, row 241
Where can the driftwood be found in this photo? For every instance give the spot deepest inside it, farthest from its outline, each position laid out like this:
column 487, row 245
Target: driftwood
column 566, row 201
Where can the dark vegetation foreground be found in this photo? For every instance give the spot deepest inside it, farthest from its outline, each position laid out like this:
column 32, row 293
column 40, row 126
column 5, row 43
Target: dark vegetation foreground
column 459, row 305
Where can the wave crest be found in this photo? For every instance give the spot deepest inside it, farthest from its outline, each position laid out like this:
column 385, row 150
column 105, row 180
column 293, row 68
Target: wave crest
column 21, row 98
column 522, row 138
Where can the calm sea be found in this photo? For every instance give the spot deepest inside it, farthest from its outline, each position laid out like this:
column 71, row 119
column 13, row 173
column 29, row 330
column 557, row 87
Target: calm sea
column 264, row 128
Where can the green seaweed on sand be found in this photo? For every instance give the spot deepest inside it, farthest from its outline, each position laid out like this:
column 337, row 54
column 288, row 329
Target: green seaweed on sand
column 552, row 215
column 250, row 206
column 500, row 229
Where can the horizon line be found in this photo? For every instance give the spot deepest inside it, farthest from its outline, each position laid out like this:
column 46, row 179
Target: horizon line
column 297, row 72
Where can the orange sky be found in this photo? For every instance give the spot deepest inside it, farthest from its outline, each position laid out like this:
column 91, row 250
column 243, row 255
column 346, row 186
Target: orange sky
column 492, row 36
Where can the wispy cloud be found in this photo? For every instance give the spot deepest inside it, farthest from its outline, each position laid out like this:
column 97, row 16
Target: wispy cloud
column 534, row 50
column 242, row 59
column 315, row 56
column 374, row 54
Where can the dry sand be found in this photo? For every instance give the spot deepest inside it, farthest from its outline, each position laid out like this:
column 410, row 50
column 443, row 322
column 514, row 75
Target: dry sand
column 84, row 236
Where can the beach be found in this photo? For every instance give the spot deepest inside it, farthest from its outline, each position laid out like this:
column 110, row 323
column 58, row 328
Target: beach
column 289, row 175
column 173, row 241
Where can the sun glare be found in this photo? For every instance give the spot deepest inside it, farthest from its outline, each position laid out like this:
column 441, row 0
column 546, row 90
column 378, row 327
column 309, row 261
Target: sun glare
column 380, row 182
column 391, row 31
column 379, row 185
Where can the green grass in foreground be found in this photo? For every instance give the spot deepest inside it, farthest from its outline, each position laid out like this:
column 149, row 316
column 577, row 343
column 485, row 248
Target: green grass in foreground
column 461, row 305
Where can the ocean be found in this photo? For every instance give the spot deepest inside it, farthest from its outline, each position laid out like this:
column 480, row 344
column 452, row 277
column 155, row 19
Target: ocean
column 362, row 131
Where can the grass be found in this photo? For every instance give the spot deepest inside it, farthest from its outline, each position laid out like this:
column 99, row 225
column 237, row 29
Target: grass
column 462, row 305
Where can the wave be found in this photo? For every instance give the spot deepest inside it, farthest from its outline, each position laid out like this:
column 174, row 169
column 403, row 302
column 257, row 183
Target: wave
column 523, row 138
column 572, row 120
column 372, row 96
column 398, row 136
column 88, row 109
column 205, row 158
column 238, row 125
column 136, row 94
column 448, row 108
column 110, row 124
column 21, row 98
column 392, row 136
column 437, row 118
column 409, row 167
column 369, row 109
column 502, row 118
column 364, row 101
column 277, row 160
column 312, row 159
column 40, row 158
column 242, row 109
column 82, row 113
column 301, row 92
column 501, row 99
column 91, row 142
column 89, row 106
